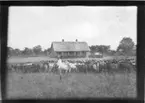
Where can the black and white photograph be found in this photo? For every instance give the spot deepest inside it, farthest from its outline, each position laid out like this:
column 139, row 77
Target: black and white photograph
column 62, row 52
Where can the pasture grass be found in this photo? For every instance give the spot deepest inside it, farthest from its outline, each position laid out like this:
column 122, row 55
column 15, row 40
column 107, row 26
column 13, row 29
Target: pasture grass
column 73, row 85
column 27, row 59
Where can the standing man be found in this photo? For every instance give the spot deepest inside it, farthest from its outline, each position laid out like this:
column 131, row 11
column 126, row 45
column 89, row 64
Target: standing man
column 59, row 62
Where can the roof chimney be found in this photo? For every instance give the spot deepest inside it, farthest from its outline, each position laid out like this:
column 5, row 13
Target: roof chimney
column 76, row 40
column 62, row 40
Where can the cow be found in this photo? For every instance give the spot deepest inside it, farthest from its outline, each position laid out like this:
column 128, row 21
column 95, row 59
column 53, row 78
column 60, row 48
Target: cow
column 96, row 66
column 125, row 66
column 72, row 66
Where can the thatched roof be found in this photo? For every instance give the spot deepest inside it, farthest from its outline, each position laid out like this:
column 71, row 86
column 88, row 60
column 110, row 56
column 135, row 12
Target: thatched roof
column 70, row 46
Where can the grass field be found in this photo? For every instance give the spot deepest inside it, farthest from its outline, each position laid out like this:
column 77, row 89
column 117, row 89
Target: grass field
column 27, row 59
column 44, row 85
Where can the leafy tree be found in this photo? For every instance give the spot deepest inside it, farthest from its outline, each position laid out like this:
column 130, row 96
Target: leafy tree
column 17, row 52
column 112, row 52
column 93, row 48
column 100, row 48
column 103, row 48
column 13, row 52
column 47, row 51
column 37, row 49
column 126, row 45
column 27, row 51
column 10, row 51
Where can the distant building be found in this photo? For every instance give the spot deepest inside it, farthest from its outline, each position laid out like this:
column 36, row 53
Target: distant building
column 97, row 53
column 69, row 49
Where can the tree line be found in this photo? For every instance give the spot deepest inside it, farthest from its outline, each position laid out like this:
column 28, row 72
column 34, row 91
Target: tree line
column 126, row 47
column 35, row 51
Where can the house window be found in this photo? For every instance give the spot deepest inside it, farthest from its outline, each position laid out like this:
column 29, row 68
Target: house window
column 59, row 53
column 62, row 53
column 65, row 53
column 84, row 52
column 71, row 53
column 77, row 53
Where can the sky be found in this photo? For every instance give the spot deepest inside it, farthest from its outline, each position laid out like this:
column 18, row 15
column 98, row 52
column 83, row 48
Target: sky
column 96, row 25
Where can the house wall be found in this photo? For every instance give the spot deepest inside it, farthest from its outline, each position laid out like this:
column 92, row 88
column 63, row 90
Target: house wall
column 73, row 54
column 81, row 54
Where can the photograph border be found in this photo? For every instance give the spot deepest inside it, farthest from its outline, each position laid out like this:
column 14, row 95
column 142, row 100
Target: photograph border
column 4, row 7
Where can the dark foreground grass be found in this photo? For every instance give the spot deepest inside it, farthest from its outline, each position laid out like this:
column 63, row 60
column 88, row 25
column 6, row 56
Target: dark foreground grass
column 45, row 86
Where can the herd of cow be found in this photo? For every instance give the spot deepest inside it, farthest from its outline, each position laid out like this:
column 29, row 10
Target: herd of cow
column 77, row 66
